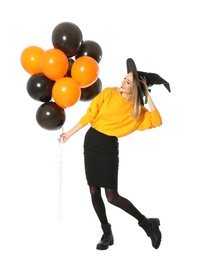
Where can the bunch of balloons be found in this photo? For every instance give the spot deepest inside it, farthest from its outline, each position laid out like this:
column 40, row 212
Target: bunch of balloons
column 62, row 75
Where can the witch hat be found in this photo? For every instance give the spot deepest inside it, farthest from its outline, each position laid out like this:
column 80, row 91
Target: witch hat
column 151, row 78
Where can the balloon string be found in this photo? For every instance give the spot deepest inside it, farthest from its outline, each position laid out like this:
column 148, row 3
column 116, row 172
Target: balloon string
column 59, row 171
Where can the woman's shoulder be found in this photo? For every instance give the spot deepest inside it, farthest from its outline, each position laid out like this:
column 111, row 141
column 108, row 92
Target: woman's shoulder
column 109, row 92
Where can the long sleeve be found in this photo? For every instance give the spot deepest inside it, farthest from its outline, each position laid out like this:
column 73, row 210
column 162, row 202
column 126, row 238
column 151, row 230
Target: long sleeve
column 93, row 109
column 149, row 119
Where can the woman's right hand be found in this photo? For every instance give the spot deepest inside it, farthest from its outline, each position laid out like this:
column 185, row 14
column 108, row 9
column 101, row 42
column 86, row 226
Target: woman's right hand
column 63, row 137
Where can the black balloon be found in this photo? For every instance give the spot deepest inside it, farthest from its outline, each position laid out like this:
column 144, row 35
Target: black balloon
column 70, row 63
column 50, row 116
column 39, row 87
column 90, row 48
column 67, row 37
column 92, row 91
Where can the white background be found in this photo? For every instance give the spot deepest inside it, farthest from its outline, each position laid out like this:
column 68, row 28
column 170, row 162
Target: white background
column 38, row 220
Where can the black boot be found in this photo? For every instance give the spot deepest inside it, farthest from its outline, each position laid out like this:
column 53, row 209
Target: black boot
column 151, row 227
column 107, row 238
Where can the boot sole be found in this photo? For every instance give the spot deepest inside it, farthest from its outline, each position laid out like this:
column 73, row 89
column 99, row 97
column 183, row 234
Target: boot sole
column 102, row 247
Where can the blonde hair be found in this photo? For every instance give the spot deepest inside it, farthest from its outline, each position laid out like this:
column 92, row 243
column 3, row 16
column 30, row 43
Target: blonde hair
column 136, row 104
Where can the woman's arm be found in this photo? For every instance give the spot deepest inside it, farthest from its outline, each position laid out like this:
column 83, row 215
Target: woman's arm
column 147, row 94
column 65, row 136
column 150, row 102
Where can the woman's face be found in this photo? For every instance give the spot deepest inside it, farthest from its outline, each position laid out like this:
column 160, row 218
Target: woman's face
column 127, row 83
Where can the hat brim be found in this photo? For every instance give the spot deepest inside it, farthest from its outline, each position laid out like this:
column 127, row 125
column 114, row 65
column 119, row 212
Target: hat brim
column 131, row 67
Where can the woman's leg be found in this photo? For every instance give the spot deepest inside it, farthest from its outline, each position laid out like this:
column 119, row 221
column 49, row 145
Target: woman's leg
column 98, row 204
column 150, row 225
column 114, row 198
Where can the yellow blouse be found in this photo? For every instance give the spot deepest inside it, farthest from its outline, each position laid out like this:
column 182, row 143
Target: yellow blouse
column 110, row 113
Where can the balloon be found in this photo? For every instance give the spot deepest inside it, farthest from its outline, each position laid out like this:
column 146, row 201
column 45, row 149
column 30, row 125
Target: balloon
column 91, row 49
column 39, row 87
column 50, row 116
column 67, row 37
column 54, row 63
column 30, row 59
column 85, row 70
column 92, row 91
column 66, row 92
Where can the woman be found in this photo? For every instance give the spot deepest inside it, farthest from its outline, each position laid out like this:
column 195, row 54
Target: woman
column 114, row 113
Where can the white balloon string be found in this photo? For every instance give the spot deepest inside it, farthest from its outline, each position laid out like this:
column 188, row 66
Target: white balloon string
column 59, row 164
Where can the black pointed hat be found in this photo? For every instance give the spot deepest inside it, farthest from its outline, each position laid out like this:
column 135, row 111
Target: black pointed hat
column 151, row 78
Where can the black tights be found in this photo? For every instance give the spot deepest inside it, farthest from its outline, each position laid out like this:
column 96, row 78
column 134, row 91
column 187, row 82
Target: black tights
column 115, row 199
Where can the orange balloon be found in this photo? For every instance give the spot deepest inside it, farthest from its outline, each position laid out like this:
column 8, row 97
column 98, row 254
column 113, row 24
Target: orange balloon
column 54, row 64
column 85, row 70
column 66, row 92
column 30, row 59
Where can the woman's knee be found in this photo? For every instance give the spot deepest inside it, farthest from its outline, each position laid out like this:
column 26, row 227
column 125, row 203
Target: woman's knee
column 111, row 196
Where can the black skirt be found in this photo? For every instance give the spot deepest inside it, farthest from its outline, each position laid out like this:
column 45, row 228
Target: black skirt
column 101, row 158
